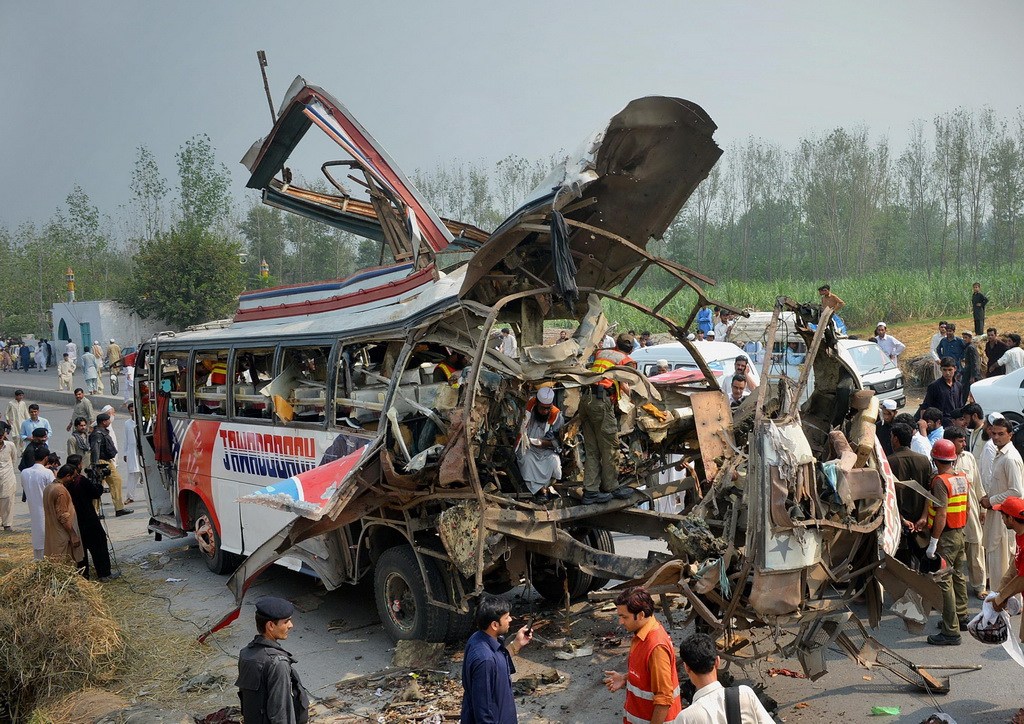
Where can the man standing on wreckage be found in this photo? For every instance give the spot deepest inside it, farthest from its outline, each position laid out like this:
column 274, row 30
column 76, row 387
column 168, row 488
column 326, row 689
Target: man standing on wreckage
column 601, row 428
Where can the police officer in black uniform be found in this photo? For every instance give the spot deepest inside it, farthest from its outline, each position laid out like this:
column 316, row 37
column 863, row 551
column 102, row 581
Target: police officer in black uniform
column 268, row 686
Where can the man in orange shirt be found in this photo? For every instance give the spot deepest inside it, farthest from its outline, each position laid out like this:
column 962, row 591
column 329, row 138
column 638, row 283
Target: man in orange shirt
column 652, row 682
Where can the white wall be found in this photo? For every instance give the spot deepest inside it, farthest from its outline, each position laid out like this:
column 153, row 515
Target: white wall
column 106, row 320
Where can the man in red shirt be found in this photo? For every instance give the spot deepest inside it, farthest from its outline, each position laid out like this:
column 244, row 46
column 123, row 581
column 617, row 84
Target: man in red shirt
column 1013, row 580
column 652, row 682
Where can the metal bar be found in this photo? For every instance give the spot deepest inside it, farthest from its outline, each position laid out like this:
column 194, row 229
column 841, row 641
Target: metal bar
column 636, row 277
column 766, row 365
column 261, row 56
column 819, row 333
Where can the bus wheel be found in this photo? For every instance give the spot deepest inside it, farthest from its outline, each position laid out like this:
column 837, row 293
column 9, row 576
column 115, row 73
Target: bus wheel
column 401, row 596
column 217, row 560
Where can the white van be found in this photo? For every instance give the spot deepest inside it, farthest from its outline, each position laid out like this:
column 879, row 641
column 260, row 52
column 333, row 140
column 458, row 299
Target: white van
column 871, row 368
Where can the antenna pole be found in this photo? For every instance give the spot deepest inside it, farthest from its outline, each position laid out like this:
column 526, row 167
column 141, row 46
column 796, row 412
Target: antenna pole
column 262, row 57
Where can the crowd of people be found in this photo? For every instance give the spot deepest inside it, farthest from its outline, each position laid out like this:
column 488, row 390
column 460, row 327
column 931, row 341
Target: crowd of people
column 17, row 355
column 64, row 497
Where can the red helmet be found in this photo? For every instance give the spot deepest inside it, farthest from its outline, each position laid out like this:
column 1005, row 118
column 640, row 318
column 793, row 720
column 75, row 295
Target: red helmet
column 944, row 451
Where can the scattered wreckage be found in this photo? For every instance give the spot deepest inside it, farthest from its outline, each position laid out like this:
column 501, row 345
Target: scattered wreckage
column 790, row 510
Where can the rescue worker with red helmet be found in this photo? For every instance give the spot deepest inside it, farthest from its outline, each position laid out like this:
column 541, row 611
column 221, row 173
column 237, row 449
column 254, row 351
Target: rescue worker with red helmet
column 944, row 523
column 600, row 427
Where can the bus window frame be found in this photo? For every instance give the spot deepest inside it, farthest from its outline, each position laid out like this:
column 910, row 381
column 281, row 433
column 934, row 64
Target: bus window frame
column 232, row 356
column 332, row 354
column 194, row 353
column 158, row 368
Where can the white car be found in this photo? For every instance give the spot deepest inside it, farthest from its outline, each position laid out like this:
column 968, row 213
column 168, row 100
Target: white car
column 1004, row 394
column 719, row 356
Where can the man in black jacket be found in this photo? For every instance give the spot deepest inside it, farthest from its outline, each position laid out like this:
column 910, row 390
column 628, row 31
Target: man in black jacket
column 28, row 456
column 946, row 393
column 104, row 452
column 268, row 685
column 909, row 465
column 84, row 492
column 978, row 303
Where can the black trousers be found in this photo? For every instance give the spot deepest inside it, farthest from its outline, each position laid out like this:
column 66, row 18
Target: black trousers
column 979, row 323
column 95, row 545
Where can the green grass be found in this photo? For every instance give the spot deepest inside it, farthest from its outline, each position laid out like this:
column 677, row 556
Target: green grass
column 892, row 296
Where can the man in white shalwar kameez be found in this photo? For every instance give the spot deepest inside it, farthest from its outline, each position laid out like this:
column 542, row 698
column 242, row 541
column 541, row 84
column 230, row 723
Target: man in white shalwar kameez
column 17, row 413
column 8, row 483
column 34, row 480
column 1005, row 480
column 539, row 445
column 130, row 457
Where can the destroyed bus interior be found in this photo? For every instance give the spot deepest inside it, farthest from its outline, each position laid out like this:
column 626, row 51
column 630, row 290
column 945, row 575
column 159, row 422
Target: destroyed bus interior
column 782, row 513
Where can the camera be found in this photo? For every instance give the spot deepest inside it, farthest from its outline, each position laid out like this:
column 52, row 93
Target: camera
column 98, row 472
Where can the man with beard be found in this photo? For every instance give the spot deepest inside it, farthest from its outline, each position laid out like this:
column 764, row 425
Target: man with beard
column 539, row 445
column 883, row 426
column 63, row 542
column 84, row 494
column 78, row 443
column 83, row 408
column 487, row 666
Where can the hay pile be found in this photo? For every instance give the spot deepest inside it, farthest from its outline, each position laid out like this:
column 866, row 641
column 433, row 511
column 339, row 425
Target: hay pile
column 58, row 636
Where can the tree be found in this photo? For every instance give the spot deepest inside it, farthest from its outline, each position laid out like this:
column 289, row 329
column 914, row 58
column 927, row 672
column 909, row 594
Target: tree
column 204, row 185
column 186, row 276
column 149, row 189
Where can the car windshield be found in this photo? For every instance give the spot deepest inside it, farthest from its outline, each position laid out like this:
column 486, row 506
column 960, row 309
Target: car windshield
column 869, row 358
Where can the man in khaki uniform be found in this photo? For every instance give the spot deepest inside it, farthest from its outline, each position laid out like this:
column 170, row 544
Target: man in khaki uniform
column 1005, row 480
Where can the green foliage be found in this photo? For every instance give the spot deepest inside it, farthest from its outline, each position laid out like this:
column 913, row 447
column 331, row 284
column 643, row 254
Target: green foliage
column 204, row 185
column 891, row 296
column 186, row 276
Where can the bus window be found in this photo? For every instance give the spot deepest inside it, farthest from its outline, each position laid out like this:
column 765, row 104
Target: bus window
column 210, row 382
column 303, row 380
column 173, row 379
column 251, row 374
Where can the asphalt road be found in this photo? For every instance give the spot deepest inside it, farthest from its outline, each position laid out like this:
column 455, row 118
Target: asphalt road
column 338, row 635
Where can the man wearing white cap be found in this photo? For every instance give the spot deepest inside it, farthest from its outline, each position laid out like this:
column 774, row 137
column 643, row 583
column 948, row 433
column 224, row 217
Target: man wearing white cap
column 883, row 426
column 662, row 366
column 539, row 445
column 891, row 346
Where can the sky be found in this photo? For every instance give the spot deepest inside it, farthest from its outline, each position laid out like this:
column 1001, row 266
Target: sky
column 84, row 84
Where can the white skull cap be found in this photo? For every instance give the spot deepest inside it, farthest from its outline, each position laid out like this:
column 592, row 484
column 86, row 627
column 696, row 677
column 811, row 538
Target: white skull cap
column 546, row 395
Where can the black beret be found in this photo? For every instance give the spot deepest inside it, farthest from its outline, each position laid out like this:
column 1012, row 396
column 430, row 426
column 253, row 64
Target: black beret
column 102, row 417
column 40, row 432
column 274, row 608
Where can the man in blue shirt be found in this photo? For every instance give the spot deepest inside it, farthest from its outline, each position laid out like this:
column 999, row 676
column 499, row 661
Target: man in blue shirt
column 487, row 667
column 951, row 346
column 33, row 422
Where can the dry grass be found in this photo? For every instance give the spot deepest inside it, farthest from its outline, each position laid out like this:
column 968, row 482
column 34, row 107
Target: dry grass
column 59, row 636
column 156, row 653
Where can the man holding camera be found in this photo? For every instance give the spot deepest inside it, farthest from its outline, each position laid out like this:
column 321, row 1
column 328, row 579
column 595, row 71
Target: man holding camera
column 104, row 452
column 85, row 489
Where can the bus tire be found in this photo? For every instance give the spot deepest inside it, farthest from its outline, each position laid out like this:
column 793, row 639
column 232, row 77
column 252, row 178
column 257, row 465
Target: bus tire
column 401, row 596
column 217, row 559
column 602, row 540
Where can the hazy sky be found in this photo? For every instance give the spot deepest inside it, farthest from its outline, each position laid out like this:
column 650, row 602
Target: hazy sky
column 85, row 83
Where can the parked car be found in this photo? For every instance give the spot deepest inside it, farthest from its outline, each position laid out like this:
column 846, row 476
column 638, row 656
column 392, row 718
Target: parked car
column 719, row 356
column 1004, row 394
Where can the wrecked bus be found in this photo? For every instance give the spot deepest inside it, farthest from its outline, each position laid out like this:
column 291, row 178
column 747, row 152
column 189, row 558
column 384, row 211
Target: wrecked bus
column 383, row 469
